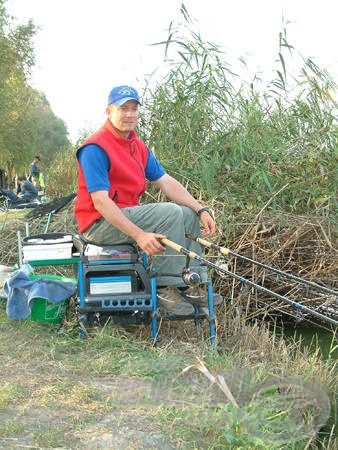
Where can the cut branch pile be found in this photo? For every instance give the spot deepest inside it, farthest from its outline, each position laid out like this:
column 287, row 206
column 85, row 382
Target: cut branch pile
column 296, row 245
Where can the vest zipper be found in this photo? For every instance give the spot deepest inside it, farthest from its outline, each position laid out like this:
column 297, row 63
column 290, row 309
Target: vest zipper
column 114, row 197
column 132, row 151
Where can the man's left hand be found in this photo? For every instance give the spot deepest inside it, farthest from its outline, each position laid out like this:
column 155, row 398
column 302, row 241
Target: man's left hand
column 208, row 223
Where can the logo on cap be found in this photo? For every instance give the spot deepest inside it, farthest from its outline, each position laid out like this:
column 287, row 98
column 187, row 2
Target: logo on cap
column 126, row 90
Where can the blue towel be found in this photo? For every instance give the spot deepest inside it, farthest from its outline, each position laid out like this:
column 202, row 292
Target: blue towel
column 21, row 292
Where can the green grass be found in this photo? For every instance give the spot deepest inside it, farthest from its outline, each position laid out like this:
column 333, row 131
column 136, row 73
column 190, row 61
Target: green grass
column 70, row 385
column 9, row 392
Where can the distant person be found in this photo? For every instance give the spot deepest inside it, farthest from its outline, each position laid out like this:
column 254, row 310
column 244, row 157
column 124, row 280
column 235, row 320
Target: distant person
column 28, row 191
column 10, row 193
column 42, row 181
column 34, row 171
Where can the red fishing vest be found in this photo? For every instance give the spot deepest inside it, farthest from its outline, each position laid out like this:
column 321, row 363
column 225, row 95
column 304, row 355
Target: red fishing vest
column 128, row 159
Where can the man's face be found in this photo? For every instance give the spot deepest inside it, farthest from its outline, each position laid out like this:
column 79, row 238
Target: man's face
column 124, row 117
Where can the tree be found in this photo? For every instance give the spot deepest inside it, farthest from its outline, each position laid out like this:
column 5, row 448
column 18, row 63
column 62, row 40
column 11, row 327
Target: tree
column 17, row 58
column 28, row 126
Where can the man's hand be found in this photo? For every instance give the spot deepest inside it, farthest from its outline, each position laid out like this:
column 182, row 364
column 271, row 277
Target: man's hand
column 208, row 223
column 176, row 192
column 149, row 243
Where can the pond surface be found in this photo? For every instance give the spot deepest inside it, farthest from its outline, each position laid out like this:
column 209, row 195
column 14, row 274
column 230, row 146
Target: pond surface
column 314, row 338
column 327, row 342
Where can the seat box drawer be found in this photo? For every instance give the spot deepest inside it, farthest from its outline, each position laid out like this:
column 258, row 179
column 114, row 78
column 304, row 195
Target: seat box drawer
column 120, row 284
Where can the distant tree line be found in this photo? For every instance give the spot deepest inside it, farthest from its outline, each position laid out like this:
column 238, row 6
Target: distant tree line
column 28, row 126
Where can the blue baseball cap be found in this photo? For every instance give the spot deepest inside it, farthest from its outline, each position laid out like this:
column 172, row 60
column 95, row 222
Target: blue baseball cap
column 121, row 94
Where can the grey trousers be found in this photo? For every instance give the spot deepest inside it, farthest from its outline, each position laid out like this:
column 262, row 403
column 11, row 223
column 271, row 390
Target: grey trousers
column 166, row 218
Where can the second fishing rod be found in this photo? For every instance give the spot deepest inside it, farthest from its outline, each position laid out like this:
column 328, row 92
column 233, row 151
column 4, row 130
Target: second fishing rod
column 226, row 251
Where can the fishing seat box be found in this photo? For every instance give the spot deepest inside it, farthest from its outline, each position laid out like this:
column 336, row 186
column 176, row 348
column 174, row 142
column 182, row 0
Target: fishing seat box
column 111, row 278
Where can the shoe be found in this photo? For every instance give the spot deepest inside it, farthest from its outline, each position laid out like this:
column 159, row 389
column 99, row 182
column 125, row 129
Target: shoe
column 204, row 310
column 169, row 298
column 198, row 296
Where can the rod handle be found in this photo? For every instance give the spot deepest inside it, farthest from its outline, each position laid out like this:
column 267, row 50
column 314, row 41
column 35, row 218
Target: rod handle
column 178, row 248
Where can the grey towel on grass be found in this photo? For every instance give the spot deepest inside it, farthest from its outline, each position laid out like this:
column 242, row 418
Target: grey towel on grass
column 21, row 292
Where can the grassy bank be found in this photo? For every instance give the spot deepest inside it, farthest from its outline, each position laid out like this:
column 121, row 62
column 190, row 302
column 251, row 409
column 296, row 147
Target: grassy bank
column 62, row 391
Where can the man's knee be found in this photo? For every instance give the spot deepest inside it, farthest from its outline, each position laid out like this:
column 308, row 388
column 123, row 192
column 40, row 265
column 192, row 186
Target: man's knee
column 170, row 211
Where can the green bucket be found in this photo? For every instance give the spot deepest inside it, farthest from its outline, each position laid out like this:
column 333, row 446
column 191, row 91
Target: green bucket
column 43, row 310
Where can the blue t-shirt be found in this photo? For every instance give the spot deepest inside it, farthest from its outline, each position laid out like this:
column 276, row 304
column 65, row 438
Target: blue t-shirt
column 95, row 165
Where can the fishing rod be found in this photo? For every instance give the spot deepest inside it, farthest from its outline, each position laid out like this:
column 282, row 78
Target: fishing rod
column 227, row 251
column 193, row 255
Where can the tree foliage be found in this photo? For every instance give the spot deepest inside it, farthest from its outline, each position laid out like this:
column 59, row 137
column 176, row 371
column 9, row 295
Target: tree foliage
column 27, row 124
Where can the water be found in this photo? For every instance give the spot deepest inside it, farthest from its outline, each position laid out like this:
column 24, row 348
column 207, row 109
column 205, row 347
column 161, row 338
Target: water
column 326, row 343
column 316, row 339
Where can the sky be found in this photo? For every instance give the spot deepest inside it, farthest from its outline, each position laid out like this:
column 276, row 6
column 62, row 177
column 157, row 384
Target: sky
column 83, row 48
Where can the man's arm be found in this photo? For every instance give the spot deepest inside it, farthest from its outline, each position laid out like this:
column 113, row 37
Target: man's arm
column 176, row 192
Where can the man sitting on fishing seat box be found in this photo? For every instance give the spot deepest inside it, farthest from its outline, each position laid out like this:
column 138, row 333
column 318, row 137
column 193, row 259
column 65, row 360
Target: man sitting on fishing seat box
column 114, row 166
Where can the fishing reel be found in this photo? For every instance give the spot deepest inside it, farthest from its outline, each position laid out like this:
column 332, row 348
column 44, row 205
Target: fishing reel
column 190, row 278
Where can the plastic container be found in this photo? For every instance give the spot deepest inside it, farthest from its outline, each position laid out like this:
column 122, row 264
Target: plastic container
column 47, row 246
column 48, row 238
column 27, row 269
column 41, row 252
column 5, row 272
column 43, row 310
